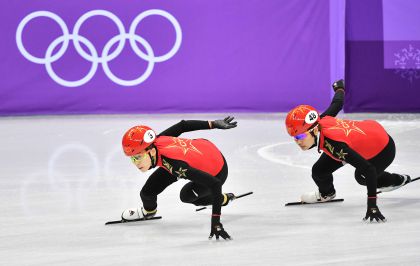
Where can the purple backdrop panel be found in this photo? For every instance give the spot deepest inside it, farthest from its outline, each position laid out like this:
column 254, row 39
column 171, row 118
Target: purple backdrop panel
column 402, row 37
column 382, row 58
column 70, row 57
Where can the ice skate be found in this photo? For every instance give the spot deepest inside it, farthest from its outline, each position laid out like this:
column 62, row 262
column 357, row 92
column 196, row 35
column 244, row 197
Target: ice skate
column 137, row 213
column 315, row 196
column 227, row 198
column 405, row 179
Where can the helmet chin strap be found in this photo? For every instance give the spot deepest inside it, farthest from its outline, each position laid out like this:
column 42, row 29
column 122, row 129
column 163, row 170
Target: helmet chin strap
column 316, row 140
column 153, row 159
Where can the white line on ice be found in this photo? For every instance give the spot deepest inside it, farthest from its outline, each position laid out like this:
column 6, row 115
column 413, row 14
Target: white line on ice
column 265, row 153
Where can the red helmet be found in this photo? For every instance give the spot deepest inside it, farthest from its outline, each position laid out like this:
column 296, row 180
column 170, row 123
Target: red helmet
column 137, row 139
column 300, row 119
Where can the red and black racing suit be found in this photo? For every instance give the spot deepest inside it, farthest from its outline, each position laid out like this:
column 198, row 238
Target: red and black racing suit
column 197, row 160
column 363, row 144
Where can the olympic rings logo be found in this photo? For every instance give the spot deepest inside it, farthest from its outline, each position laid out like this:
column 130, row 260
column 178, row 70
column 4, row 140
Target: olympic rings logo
column 93, row 55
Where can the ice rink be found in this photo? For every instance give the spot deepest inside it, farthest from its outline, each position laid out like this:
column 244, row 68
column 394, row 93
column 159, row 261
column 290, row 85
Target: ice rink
column 63, row 177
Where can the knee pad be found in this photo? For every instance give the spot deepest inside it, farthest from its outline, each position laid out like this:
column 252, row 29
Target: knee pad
column 192, row 192
column 187, row 196
column 359, row 178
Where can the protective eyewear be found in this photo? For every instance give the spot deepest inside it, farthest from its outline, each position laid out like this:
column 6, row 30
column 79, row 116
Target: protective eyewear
column 303, row 135
column 138, row 158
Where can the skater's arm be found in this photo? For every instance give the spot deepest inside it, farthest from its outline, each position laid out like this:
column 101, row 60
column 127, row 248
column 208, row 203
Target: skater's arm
column 215, row 185
column 364, row 168
column 337, row 101
column 192, row 125
column 185, row 126
column 336, row 104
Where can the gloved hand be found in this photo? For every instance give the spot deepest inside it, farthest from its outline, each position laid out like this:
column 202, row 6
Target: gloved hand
column 373, row 211
column 217, row 229
column 339, row 84
column 225, row 123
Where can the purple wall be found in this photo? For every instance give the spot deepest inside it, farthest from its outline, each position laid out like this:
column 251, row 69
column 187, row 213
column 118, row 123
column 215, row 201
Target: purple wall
column 382, row 56
column 231, row 56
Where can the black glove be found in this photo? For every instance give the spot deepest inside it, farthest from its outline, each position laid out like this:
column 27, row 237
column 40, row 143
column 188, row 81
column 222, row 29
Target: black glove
column 373, row 211
column 217, row 229
column 225, row 123
column 339, row 84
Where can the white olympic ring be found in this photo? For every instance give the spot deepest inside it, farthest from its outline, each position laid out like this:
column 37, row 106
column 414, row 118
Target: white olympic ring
column 94, row 57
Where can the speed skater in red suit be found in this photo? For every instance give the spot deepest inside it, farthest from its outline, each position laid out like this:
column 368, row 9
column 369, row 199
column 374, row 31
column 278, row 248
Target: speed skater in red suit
column 363, row 144
column 197, row 160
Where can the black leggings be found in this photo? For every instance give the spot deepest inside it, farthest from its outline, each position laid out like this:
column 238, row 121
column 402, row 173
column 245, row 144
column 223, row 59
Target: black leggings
column 194, row 193
column 325, row 166
column 201, row 195
column 381, row 162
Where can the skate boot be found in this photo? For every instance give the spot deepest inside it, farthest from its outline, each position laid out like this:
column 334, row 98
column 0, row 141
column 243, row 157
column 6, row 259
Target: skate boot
column 137, row 213
column 405, row 179
column 316, row 196
column 228, row 197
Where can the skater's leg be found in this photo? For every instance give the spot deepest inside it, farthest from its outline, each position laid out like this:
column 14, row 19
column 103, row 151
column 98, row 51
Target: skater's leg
column 386, row 181
column 200, row 195
column 322, row 173
column 155, row 184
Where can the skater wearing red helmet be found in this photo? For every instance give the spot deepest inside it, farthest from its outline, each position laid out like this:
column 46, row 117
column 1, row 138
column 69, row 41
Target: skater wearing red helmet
column 197, row 160
column 363, row 144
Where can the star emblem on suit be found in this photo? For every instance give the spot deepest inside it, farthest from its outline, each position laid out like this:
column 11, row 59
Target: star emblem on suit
column 341, row 155
column 329, row 147
column 347, row 127
column 167, row 165
column 184, row 144
column 181, row 173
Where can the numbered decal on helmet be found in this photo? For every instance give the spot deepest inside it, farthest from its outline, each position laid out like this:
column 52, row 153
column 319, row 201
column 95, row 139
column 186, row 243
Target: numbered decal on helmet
column 311, row 117
column 149, row 136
